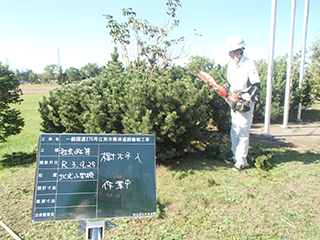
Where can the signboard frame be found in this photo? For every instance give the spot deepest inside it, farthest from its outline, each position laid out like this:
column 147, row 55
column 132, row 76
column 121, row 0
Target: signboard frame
column 94, row 176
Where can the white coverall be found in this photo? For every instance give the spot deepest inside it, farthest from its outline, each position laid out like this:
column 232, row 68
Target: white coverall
column 241, row 76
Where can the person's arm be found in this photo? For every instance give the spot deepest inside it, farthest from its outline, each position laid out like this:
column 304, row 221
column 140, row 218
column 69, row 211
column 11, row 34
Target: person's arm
column 254, row 90
column 255, row 81
column 226, row 86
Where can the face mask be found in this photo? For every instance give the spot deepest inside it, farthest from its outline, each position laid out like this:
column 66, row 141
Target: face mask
column 236, row 59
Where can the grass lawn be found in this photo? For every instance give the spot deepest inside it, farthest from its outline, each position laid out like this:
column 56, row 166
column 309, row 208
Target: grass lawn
column 198, row 197
column 312, row 113
column 26, row 141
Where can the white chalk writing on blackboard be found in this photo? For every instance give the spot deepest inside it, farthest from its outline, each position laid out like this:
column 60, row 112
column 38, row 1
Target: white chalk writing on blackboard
column 109, row 139
column 78, row 151
column 108, row 156
column 45, row 214
column 45, row 201
column 119, row 184
column 144, row 214
column 44, row 188
column 82, row 164
column 72, row 176
column 138, row 158
column 48, row 162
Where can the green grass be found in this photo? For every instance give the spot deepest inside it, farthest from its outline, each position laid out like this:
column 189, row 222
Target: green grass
column 312, row 113
column 26, row 141
column 198, row 197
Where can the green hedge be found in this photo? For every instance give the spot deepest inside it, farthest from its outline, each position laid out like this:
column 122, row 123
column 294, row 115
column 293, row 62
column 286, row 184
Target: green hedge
column 172, row 104
column 279, row 88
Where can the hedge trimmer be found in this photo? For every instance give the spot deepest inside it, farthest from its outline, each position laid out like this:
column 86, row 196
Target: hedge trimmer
column 235, row 101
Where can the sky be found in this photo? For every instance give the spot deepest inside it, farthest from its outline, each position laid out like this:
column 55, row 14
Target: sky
column 37, row 33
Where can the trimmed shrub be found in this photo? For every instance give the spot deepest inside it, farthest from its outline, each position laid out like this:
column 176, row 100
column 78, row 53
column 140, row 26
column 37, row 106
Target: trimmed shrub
column 172, row 104
column 11, row 122
column 279, row 88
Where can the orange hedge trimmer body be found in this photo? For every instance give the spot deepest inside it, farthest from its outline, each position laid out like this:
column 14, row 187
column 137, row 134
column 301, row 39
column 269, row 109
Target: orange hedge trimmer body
column 233, row 100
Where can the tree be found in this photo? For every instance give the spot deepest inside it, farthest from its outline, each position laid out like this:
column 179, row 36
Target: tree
column 279, row 88
column 61, row 76
column 200, row 63
column 50, row 72
column 149, row 45
column 11, row 122
column 73, row 74
column 314, row 70
column 34, row 78
column 115, row 55
column 172, row 105
column 27, row 76
column 90, row 70
column 24, row 76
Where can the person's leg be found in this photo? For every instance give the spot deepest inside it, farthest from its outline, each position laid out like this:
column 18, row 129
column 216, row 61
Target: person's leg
column 244, row 121
column 234, row 132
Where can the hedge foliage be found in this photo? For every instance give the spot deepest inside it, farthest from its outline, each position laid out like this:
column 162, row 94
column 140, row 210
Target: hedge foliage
column 171, row 103
column 11, row 122
column 278, row 90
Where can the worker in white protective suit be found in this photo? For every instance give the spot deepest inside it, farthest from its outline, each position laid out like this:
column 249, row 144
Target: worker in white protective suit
column 244, row 82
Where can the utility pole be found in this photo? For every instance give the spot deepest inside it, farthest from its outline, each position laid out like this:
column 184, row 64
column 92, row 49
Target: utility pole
column 306, row 13
column 270, row 67
column 7, row 60
column 289, row 68
column 58, row 57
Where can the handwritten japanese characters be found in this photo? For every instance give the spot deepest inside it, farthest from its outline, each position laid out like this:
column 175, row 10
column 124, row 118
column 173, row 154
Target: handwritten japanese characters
column 107, row 156
column 118, row 184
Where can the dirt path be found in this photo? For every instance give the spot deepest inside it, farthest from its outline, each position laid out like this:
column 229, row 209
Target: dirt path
column 300, row 136
column 34, row 89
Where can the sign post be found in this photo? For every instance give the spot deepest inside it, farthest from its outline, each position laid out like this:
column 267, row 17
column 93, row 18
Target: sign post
column 94, row 177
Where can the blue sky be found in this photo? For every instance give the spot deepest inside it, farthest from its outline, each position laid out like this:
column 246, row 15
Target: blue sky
column 32, row 31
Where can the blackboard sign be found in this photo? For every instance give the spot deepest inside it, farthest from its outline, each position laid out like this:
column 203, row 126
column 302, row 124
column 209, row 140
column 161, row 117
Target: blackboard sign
column 94, row 176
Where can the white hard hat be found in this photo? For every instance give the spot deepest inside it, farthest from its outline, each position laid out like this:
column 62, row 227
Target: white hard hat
column 234, row 43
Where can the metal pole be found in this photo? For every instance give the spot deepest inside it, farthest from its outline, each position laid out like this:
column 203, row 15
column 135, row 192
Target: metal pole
column 95, row 234
column 288, row 81
column 270, row 67
column 15, row 236
column 306, row 14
